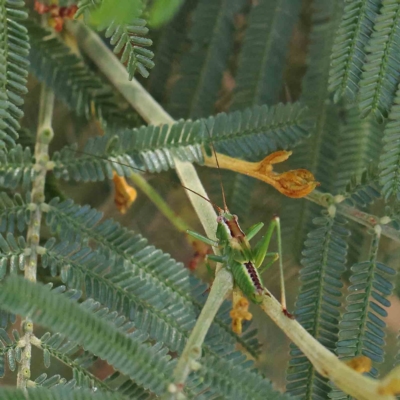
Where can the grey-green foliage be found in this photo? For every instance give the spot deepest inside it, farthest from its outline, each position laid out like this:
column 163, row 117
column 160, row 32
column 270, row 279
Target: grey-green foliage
column 122, row 281
column 121, row 246
column 319, row 153
column 260, row 69
column 211, row 41
column 260, row 72
column 14, row 49
column 148, row 365
column 160, row 296
column 362, row 325
column 380, row 75
column 349, row 50
column 10, row 353
column 53, row 62
column 256, row 130
column 62, row 392
column 390, row 157
column 127, row 33
column 168, row 49
column 359, row 145
column 318, row 303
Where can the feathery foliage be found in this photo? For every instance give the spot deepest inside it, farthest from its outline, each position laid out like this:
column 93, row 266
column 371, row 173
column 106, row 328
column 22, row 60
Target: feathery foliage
column 16, row 167
column 389, row 164
column 211, row 38
column 359, row 145
column 318, row 303
column 319, row 152
column 381, row 76
column 349, row 50
column 53, row 62
column 158, row 270
column 252, row 132
column 148, row 365
column 168, row 49
column 126, row 31
column 260, row 70
column 57, row 393
column 14, row 49
column 362, row 190
column 127, row 303
column 14, row 213
column 362, row 325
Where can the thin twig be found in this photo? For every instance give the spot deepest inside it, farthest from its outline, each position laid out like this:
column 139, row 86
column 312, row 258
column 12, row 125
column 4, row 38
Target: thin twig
column 352, row 213
column 43, row 138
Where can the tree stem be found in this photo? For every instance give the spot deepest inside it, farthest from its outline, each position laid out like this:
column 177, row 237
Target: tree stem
column 43, row 138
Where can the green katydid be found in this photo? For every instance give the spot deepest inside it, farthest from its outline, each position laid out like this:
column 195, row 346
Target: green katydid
column 237, row 255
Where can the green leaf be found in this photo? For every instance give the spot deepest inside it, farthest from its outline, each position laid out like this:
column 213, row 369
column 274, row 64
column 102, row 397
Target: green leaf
column 53, row 62
column 148, row 365
column 14, row 49
column 263, row 55
column 349, row 49
column 201, row 69
column 318, row 304
column 389, row 163
column 381, row 76
column 254, row 132
column 57, row 393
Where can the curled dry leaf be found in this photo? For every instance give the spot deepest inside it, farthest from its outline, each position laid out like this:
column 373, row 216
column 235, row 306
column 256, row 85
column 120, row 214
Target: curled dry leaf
column 125, row 195
column 294, row 183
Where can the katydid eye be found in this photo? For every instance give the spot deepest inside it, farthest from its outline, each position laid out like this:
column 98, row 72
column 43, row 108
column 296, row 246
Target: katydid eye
column 220, row 219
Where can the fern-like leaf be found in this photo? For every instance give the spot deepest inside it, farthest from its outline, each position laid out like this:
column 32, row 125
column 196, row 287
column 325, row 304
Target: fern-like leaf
column 389, row 164
column 126, row 37
column 14, row 50
column 148, row 365
column 348, row 53
column 9, row 351
column 53, row 62
column 122, row 247
column 362, row 190
column 169, row 47
column 14, row 213
column 201, row 70
column 381, row 75
column 16, row 167
column 359, row 145
column 63, row 392
column 259, row 76
column 255, row 131
column 362, row 325
column 318, row 304
column 270, row 26
column 129, row 39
